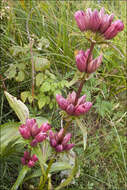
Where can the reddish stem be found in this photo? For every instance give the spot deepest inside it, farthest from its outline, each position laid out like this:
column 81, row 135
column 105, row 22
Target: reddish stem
column 83, row 81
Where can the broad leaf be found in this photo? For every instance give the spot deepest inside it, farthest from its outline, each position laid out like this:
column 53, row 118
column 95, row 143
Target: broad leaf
column 84, row 131
column 9, row 135
column 39, row 79
column 20, row 178
column 18, row 106
column 70, row 177
column 41, row 64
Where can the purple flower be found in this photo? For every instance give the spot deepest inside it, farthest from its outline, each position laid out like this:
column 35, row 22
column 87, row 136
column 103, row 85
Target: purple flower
column 82, row 63
column 81, row 106
column 24, row 131
column 59, row 141
column 114, row 28
column 41, row 136
column 61, row 101
column 28, row 159
column 98, row 22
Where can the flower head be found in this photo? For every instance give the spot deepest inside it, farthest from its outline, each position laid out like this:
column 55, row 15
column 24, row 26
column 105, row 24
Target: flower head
column 80, row 108
column 98, row 22
column 59, row 141
column 29, row 160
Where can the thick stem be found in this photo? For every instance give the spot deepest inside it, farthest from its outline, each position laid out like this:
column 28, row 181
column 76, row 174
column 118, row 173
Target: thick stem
column 83, row 80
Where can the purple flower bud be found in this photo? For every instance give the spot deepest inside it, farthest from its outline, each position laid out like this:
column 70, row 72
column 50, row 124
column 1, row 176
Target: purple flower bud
column 62, row 102
column 53, row 142
column 41, row 136
column 45, row 127
column 30, row 122
column 112, row 31
column 93, row 65
column 26, row 155
column 70, row 109
column 23, row 161
column 80, row 19
column 34, row 158
column 33, row 142
column 81, row 109
column 24, row 131
column 51, row 134
column 95, row 21
column 60, row 133
column 59, row 148
column 81, row 60
column 81, row 100
column 35, row 130
column 69, row 146
column 71, row 97
column 66, row 139
column 31, row 164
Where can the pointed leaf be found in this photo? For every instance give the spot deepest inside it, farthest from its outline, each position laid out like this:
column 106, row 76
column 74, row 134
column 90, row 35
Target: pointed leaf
column 70, row 178
column 18, row 106
column 20, row 178
column 84, row 131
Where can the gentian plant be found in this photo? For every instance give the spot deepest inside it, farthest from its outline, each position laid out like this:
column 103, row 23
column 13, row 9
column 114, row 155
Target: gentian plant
column 98, row 28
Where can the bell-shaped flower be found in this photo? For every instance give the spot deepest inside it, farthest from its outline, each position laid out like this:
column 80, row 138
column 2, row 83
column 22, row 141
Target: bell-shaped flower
column 59, row 141
column 98, row 22
column 80, row 108
column 114, row 28
column 29, row 160
column 61, row 101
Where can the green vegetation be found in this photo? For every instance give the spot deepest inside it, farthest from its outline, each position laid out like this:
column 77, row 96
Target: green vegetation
column 49, row 29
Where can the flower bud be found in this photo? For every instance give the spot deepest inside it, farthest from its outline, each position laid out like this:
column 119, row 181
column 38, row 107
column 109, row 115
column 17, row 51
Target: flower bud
column 30, row 122
column 41, row 136
column 51, row 134
column 81, row 60
column 70, row 109
column 45, row 127
column 80, row 19
column 26, row 155
column 33, row 142
column 59, row 148
column 23, row 161
column 69, row 146
column 60, row 133
column 66, row 139
column 35, row 130
column 24, row 131
column 81, row 100
column 112, row 31
column 81, row 109
column 34, row 158
column 62, row 102
column 53, row 142
column 30, row 164
column 93, row 65
column 95, row 21
column 71, row 97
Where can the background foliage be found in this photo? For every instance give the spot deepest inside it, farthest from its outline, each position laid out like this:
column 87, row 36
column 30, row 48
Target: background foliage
column 53, row 32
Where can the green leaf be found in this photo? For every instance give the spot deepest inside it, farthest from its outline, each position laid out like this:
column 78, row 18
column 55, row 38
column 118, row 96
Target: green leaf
column 60, row 166
column 11, row 72
column 18, row 106
column 9, row 132
column 70, row 177
column 84, row 131
column 43, row 43
column 42, row 102
column 39, row 79
column 30, row 98
column 25, row 95
column 20, row 77
column 41, row 64
column 20, row 178
column 45, row 87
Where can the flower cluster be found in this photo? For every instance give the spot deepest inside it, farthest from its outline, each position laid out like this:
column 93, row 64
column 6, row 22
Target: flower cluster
column 69, row 106
column 59, row 141
column 30, row 130
column 98, row 22
column 29, row 160
column 82, row 62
